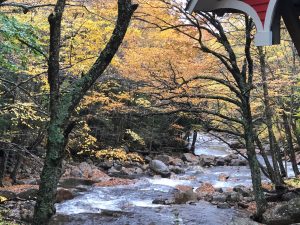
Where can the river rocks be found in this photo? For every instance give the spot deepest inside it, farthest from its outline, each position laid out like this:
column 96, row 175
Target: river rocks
column 75, row 182
column 238, row 162
column 164, row 158
column 189, row 157
column 219, row 197
column 223, row 205
column 106, row 165
column 63, row 195
column 114, row 182
column 205, row 189
column 283, row 213
column 29, row 194
column 243, row 221
column 8, row 194
column 220, row 161
column 176, row 162
column 289, row 196
column 246, row 192
column 207, row 160
column 21, row 210
column 84, row 171
column 223, row 177
column 161, row 201
column 32, row 181
column 85, row 168
column 176, row 169
column 235, row 197
column 236, row 145
column 185, row 196
column 160, row 168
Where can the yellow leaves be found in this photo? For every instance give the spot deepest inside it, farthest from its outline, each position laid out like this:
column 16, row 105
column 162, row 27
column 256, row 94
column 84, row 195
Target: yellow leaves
column 3, row 199
column 118, row 154
column 294, row 182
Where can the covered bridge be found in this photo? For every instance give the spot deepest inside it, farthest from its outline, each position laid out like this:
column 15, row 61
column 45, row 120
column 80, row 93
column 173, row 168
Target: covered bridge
column 266, row 15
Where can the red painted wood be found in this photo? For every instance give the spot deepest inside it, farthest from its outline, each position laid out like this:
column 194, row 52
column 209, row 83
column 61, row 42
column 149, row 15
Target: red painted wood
column 260, row 6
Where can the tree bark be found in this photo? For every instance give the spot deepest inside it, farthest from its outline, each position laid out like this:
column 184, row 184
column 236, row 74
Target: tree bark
column 290, row 146
column 3, row 163
column 253, row 162
column 195, row 134
column 274, row 148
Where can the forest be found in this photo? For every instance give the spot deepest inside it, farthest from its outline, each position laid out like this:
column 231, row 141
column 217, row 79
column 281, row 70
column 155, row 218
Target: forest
column 141, row 112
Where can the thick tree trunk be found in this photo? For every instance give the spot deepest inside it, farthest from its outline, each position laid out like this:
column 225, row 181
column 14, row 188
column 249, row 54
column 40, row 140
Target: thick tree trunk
column 290, row 146
column 50, row 176
column 260, row 200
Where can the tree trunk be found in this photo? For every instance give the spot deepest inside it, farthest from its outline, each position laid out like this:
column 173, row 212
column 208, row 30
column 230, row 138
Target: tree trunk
column 62, row 106
column 290, row 145
column 260, row 200
column 274, row 148
column 18, row 163
column 195, row 134
column 3, row 163
column 50, row 176
column 270, row 170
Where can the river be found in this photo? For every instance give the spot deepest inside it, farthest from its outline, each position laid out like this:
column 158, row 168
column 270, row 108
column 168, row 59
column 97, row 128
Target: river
column 132, row 204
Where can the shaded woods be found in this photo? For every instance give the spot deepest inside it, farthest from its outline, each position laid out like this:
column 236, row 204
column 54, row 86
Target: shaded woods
column 94, row 77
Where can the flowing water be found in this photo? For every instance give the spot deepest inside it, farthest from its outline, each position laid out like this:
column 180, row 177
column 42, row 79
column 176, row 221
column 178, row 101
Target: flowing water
column 132, row 204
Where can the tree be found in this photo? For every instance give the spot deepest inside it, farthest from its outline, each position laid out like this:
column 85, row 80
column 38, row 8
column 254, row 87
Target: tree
column 63, row 104
column 228, row 92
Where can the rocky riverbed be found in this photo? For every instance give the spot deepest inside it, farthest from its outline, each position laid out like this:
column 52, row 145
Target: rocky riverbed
column 212, row 187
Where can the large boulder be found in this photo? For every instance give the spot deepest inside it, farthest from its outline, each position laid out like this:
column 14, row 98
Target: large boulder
column 284, row 213
column 29, row 194
column 164, row 158
column 63, row 195
column 160, row 168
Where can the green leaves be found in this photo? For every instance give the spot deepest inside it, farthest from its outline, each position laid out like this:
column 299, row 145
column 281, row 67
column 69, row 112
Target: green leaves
column 18, row 40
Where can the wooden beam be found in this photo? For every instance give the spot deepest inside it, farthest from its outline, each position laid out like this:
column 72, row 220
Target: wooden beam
column 291, row 19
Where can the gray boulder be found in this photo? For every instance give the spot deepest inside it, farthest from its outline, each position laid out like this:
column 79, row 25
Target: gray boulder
column 284, row 213
column 160, row 168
